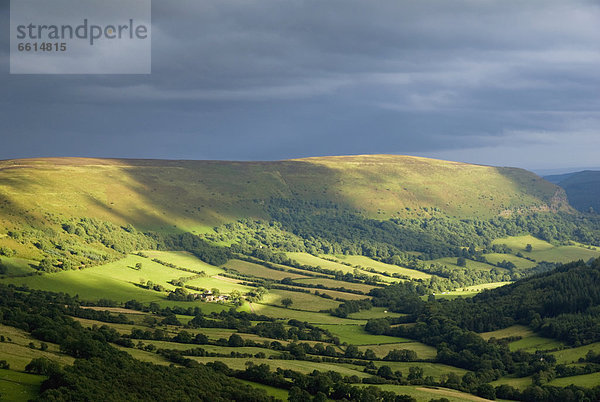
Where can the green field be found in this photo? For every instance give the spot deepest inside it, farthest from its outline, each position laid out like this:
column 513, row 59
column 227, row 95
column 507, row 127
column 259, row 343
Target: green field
column 117, row 280
column 113, row 281
column 301, row 366
column 17, row 352
column 518, row 243
column 564, row 254
column 277, row 393
column 366, row 262
column 340, row 295
column 213, row 348
column 308, row 259
column 530, row 342
column 17, row 266
column 424, row 352
column 471, row 265
column 302, row 301
column 519, row 383
column 425, row 394
column 375, row 312
column 252, row 269
column 145, row 356
column 544, row 251
column 534, row 343
column 332, row 283
column 469, row 291
column 308, row 316
column 515, row 330
column 314, row 261
column 16, row 386
column 224, row 284
column 586, row 380
column 522, row 263
column 211, row 333
column 356, row 335
column 184, row 260
column 572, row 355
column 436, row 370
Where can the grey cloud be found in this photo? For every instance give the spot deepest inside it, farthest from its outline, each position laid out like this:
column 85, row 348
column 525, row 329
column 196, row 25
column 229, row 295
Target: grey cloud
column 265, row 79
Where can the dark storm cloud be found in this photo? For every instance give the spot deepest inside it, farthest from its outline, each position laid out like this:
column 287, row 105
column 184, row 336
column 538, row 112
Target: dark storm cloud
column 499, row 82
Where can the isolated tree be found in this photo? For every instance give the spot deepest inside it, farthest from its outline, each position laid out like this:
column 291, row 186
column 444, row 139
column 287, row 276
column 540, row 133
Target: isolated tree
column 528, row 248
column 287, row 302
column 235, row 341
column 370, row 355
column 351, row 351
column 42, row 365
column 138, row 265
column 385, row 372
column 415, row 373
column 461, row 262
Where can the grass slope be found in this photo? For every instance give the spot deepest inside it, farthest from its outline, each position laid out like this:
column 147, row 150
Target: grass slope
column 543, row 251
column 366, row 262
column 196, row 195
column 16, row 386
column 423, row 394
column 356, row 335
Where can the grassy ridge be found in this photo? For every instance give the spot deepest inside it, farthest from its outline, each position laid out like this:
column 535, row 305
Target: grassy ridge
column 196, row 195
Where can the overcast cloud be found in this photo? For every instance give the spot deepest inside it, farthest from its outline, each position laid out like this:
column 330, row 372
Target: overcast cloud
column 495, row 82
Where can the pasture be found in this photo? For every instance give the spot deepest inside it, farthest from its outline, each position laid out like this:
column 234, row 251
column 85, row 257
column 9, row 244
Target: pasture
column 18, row 353
column 184, row 259
column 366, row 262
column 313, row 261
column 356, row 335
column 544, row 251
column 301, row 300
column 288, row 314
column 515, row 330
column 277, row 393
column 518, row 383
column 19, row 387
column 17, row 266
column 252, row 269
column 115, row 281
column 375, row 312
column 426, row 394
column 529, row 342
column 424, row 352
column 332, row 283
column 586, row 380
column 469, row 291
column 301, row 366
column 436, row 370
column 534, row 343
column 519, row 243
column 521, row 263
column 564, row 254
column 572, row 355
column 471, row 265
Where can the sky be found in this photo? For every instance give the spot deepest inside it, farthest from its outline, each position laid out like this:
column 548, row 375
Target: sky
column 506, row 83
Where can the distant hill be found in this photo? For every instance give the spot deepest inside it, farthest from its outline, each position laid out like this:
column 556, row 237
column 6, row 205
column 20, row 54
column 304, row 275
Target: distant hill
column 195, row 195
column 90, row 209
column 582, row 188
